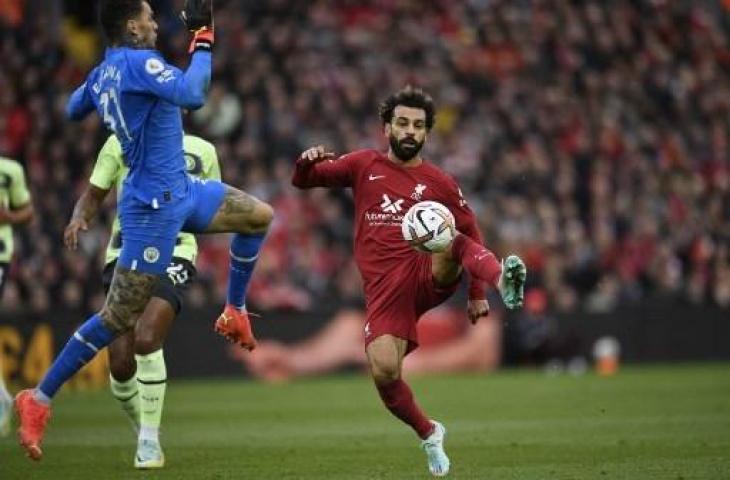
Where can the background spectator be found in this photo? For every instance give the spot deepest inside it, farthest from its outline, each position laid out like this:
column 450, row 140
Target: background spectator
column 589, row 137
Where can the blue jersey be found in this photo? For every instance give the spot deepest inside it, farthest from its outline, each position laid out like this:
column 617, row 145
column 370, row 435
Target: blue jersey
column 139, row 97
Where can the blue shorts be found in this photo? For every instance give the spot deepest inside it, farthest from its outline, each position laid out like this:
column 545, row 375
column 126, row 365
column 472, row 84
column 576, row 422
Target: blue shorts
column 149, row 234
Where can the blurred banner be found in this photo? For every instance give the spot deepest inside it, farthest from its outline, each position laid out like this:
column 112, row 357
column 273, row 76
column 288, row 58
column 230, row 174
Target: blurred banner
column 653, row 332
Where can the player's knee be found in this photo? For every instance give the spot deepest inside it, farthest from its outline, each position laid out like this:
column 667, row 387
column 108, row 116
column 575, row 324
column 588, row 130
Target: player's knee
column 262, row 217
column 122, row 368
column 146, row 341
column 384, row 372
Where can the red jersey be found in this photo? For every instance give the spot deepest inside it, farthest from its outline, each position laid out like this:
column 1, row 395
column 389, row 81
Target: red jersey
column 383, row 192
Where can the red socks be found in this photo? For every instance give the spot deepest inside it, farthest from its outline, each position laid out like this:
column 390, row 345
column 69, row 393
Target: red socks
column 397, row 396
column 476, row 259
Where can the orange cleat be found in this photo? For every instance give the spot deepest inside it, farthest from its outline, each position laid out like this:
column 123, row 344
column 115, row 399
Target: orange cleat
column 236, row 327
column 33, row 417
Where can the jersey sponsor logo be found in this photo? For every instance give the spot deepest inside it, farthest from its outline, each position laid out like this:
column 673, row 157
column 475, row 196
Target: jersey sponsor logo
column 372, row 177
column 391, row 206
column 151, row 255
column 154, row 66
column 390, row 214
column 166, row 76
column 418, row 192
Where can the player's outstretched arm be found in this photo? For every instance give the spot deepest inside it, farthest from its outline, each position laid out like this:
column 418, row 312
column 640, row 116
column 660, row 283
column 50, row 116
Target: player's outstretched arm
column 187, row 89
column 198, row 18
column 85, row 209
column 317, row 167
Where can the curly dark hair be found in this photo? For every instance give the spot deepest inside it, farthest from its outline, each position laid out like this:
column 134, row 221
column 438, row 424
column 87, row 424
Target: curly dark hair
column 113, row 16
column 409, row 97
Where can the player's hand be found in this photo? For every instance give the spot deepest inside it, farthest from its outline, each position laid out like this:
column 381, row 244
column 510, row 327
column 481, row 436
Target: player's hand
column 197, row 15
column 316, row 154
column 71, row 233
column 476, row 309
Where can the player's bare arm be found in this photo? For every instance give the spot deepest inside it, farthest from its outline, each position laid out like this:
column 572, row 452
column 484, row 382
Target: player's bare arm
column 16, row 216
column 128, row 295
column 241, row 213
column 85, row 209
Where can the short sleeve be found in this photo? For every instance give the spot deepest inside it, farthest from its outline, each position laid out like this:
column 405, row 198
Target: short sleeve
column 108, row 164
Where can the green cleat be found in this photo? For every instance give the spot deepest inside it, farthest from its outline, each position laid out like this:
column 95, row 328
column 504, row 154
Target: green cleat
column 512, row 282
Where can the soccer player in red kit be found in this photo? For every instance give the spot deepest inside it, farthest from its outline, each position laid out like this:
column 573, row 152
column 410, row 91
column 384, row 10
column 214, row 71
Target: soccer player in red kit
column 401, row 283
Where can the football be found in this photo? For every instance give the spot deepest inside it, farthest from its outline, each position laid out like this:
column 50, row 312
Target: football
column 429, row 227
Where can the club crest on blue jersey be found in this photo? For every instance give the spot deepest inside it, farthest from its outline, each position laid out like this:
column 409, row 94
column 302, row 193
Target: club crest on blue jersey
column 153, row 66
column 151, row 255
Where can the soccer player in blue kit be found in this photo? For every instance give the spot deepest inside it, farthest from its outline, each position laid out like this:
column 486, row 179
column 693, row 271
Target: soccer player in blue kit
column 139, row 97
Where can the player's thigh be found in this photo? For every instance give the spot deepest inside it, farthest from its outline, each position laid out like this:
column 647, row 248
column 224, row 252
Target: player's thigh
column 240, row 212
column 445, row 270
column 127, row 298
column 437, row 279
column 385, row 357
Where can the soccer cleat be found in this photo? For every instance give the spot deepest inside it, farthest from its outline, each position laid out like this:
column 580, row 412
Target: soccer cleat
column 235, row 325
column 33, row 417
column 512, row 282
column 6, row 408
column 149, row 455
column 438, row 462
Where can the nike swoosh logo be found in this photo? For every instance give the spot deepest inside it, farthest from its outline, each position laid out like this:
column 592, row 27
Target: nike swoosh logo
column 375, row 177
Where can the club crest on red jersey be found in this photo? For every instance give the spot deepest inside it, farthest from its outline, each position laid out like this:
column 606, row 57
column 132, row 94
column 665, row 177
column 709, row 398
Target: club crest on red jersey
column 417, row 194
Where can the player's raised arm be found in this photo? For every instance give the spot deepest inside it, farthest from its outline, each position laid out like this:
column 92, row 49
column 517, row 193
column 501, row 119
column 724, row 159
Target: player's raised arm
column 185, row 89
column 317, row 167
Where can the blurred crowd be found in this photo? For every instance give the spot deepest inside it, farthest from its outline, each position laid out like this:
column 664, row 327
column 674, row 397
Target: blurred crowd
column 590, row 137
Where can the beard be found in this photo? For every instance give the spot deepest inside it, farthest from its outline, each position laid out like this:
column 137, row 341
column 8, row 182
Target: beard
column 405, row 149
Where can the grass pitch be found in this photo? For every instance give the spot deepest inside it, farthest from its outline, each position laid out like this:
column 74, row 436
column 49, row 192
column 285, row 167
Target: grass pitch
column 664, row 423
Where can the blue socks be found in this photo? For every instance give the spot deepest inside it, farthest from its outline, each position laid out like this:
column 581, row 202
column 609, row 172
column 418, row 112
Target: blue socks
column 244, row 252
column 85, row 343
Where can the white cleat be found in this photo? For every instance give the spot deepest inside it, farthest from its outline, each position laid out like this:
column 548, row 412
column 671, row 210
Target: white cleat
column 438, row 462
column 6, row 412
column 149, row 455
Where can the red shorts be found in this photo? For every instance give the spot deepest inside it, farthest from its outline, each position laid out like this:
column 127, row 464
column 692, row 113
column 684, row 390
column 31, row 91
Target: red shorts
column 397, row 300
